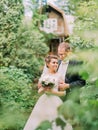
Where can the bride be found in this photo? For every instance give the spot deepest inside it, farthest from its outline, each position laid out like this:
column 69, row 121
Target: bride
column 49, row 101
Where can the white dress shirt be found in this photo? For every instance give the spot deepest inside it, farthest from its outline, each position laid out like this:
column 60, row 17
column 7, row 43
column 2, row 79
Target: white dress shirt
column 63, row 68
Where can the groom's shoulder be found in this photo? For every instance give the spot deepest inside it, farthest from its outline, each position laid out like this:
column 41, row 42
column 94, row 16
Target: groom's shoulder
column 75, row 62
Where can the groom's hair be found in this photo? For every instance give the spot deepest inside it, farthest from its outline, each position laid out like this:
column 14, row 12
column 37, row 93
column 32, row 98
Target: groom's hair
column 49, row 57
column 64, row 45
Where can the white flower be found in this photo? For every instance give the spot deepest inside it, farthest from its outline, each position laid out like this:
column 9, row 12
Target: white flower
column 47, row 81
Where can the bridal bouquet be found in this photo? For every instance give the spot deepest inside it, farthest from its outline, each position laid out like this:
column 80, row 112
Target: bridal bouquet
column 48, row 81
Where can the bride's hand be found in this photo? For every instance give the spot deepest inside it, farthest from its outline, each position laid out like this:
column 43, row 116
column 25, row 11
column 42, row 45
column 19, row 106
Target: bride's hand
column 48, row 90
column 61, row 81
column 63, row 86
column 40, row 90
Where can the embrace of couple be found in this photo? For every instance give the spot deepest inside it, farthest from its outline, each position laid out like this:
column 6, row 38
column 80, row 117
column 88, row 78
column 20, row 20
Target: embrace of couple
column 62, row 76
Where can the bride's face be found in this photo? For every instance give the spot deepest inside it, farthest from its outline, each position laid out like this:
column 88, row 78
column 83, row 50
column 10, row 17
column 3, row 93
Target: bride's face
column 53, row 65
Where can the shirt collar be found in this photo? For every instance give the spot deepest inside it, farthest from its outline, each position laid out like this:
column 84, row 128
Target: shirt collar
column 65, row 62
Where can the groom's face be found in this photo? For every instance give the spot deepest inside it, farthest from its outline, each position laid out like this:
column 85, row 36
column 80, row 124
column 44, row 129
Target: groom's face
column 62, row 54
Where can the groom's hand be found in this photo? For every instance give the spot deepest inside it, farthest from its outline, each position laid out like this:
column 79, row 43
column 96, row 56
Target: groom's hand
column 63, row 86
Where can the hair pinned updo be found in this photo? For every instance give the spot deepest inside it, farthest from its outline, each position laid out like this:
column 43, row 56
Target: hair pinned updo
column 49, row 57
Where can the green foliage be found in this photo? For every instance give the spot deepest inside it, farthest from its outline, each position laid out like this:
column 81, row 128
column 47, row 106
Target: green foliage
column 45, row 125
column 60, row 122
column 10, row 14
column 15, row 98
column 22, row 44
column 30, row 50
column 81, row 108
column 87, row 15
column 79, row 43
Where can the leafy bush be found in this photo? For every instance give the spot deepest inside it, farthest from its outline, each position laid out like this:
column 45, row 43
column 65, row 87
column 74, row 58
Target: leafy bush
column 17, row 98
column 81, row 108
column 21, row 43
column 11, row 13
column 78, row 43
column 30, row 51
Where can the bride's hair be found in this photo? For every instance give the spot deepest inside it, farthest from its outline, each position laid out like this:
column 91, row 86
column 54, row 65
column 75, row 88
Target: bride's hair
column 49, row 57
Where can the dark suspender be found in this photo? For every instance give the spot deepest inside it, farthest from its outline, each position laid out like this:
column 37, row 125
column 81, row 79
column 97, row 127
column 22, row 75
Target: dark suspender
column 59, row 62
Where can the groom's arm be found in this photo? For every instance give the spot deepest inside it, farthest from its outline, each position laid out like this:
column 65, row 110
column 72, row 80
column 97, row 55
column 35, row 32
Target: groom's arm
column 77, row 83
column 73, row 82
column 74, row 77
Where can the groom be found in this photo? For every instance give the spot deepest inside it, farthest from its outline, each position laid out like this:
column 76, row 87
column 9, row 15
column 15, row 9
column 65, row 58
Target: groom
column 68, row 68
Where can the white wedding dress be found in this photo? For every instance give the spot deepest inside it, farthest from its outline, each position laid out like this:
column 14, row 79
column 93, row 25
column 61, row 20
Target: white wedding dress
column 45, row 109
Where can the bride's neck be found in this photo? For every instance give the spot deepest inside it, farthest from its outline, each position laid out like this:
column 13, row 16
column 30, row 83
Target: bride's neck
column 52, row 72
